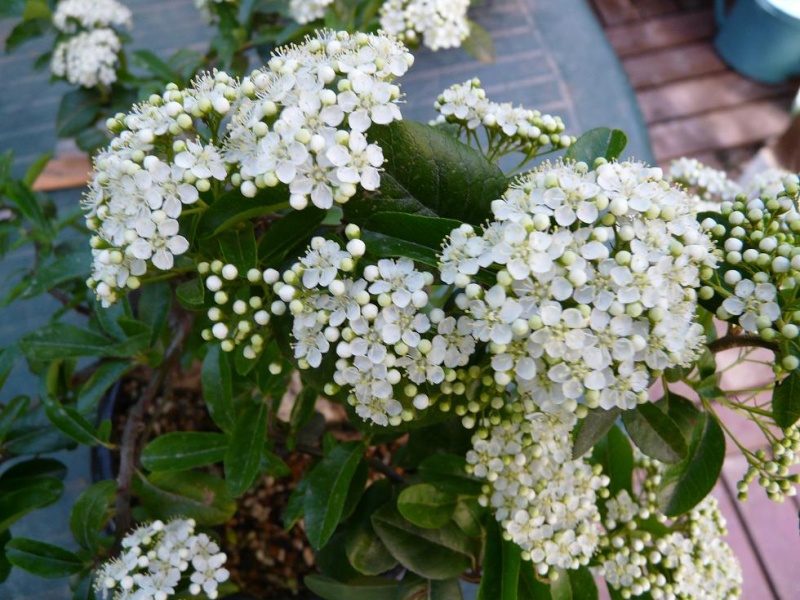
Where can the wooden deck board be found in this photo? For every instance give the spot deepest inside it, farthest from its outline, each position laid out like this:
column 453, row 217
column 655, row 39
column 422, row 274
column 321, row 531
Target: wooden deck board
column 64, row 172
column 673, row 64
column 663, row 32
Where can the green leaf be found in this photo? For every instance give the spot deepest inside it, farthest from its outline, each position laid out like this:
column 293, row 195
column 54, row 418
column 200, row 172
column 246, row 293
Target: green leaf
column 328, row 484
column 5, row 566
column 245, row 450
column 685, row 484
column 479, row 43
column 363, row 588
column 293, row 511
column 448, row 473
column 100, row 381
column 10, row 413
column 216, row 378
column 786, row 400
column 530, row 588
column 418, row 229
column 24, row 31
column 8, row 360
column 365, row 550
column 61, row 340
column 181, row 450
column 386, row 246
column 470, row 516
column 38, row 166
column 191, row 294
column 23, row 473
column 156, row 66
column 288, row 232
column 615, row 454
column 42, row 559
column 331, row 559
column 154, row 305
column 72, row 266
column 189, row 494
column 432, row 553
column 428, row 172
column 233, row 208
column 70, row 422
column 591, row 428
column 78, row 111
column 26, row 497
column 272, row 465
column 574, row 584
column 501, row 566
column 238, row 247
column 655, row 433
column 36, row 9
column 90, row 513
column 601, row 142
column 426, row 506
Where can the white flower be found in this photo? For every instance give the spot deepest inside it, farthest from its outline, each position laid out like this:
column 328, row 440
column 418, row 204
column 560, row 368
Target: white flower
column 751, row 302
column 88, row 58
column 358, row 162
column 90, row 14
column 202, row 161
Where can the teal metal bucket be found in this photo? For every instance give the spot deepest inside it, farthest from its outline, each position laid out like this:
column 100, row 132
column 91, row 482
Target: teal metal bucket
column 760, row 38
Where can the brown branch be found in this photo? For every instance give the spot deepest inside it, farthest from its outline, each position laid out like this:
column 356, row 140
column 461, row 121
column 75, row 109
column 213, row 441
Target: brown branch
column 64, row 299
column 742, row 341
column 133, row 428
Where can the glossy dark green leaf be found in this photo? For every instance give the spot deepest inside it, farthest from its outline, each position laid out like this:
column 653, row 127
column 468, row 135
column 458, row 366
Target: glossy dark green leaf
column 381, row 245
column 428, row 172
column 36, row 9
column 331, row 560
column 786, row 400
column 355, row 490
column 574, row 584
column 106, row 374
column 530, row 588
column 592, row 428
column 42, row 559
column 8, row 360
column 34, row 434
column 70, row 422
column 365, row 550
column 181, row 450
column 5, row 566
column 293, row 511
column 189, row 494
column 191, row 294
column 38, row 166
column 288, row 232
column 78, row 111
column 470, row 516
column 600, row 142
column 272, row 465
column 328, row 484
column 216, row 378
column 615, row 454
column 154, row 305
column 363, row 588
column 426, row 506
column 26, row 30
column 22, row 499
column 156, row 66
column 61, row 340
column 448, row 473
column 24, row 472
column 432, row 553
column 501, row 566
column 479, row 43
column 68, row 267
column 418, row 229
column 10, row 413
column 233, row 208
column 91, row 512
column 246, row 447
column 238, row 247
column 655, row 433
column 686, row 483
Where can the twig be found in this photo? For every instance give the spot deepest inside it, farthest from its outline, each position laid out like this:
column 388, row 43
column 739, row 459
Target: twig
column 741, row 341
column 130, row 434
column 61, row 297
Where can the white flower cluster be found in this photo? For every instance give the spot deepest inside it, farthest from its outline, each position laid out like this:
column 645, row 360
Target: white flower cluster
column 392, row 354
column 643, row 553
column 522, row 129
column 301, row 121
column 767, row 184
column 87, row 54
column 88, row 58
column 761, row 259
column 441, row 24
column 545, row 501
column 595, row 277
column 305, row 11
column 156, row 556
column 72, row 15
column 709, row 186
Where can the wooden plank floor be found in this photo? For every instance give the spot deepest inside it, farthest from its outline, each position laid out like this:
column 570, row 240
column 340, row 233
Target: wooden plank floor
column 694, row 105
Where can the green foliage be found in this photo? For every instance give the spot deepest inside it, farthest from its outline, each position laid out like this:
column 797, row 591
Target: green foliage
column 501, row 566
column 426, row 506
column 90, row 513
column 592, row 428
column 188, row 494
column 615, row 454
column 218, row 388
column 183, row 450
column 655, row 433
column 42, row 559
column 245, row 449
column 600, row 142
column 786, row 400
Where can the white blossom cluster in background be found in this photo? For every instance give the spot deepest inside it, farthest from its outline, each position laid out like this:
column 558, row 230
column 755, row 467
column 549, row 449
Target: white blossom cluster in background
column 301, row 121
column 305, row 11
column 87, row 50
column 595, row 285
column 440, row 24
column 156, row 557
column 710, row 187
column 378, row 324
column 545, row 501
column 685, row 558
